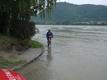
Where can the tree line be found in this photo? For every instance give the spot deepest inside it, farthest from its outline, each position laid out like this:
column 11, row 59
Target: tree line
column 15, row 16
column 67, row 13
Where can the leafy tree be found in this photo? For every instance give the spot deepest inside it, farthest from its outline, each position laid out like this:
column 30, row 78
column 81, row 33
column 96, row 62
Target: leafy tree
column 23, row 30
column 18, row 11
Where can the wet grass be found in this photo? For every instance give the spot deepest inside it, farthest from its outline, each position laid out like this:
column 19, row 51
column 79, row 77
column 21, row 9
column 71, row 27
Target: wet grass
column 7, row 59
column 10, row 62
column 35, row 44
column 6, row 43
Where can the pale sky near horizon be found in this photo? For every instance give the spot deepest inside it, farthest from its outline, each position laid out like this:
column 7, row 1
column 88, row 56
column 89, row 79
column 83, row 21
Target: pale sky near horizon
column 79, row 2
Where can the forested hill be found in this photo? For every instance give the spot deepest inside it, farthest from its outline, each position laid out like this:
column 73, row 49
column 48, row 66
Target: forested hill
column 69, row 13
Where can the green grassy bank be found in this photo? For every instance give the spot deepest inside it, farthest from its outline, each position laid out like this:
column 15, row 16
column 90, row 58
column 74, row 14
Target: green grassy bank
column 7, row 58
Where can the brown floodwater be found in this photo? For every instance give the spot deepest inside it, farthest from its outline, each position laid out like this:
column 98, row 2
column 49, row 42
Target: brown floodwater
column 76, row 53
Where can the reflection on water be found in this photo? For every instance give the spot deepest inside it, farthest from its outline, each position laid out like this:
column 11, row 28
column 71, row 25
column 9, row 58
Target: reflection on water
column 76, row 53
column 49, row 56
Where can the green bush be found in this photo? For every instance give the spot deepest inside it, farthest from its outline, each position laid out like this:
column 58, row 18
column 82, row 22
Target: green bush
column 23, row 30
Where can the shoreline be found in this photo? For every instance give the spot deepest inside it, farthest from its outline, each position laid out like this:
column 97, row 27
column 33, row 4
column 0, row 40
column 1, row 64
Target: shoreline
column 29, row 56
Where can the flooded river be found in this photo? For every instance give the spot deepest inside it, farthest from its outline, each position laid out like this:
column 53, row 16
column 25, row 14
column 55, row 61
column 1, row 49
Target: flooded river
column 76, row 53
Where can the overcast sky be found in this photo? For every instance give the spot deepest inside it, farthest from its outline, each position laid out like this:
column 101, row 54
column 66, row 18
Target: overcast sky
column 96, row 2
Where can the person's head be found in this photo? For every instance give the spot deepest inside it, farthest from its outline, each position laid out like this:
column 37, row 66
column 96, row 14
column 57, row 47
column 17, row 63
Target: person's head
column 48, row 30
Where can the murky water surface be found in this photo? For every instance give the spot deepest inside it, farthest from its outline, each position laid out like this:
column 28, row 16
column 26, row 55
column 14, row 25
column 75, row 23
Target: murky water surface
column 76, row 53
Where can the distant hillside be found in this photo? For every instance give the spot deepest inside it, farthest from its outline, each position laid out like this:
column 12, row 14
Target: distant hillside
column 69, row 13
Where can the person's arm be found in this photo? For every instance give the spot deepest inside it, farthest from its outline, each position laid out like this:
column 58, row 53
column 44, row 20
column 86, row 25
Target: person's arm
column 47, row 35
